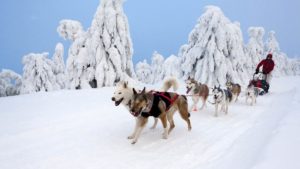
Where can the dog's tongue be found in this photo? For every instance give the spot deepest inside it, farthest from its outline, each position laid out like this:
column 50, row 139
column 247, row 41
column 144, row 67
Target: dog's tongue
column 188, row 90
column 135, row 113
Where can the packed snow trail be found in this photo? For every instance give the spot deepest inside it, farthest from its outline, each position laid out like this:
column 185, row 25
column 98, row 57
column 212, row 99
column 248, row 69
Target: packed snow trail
column 83, row 129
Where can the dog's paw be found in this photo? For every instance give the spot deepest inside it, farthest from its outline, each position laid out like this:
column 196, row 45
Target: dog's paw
column 133, row 142
column 130, row 137
column 165, row 136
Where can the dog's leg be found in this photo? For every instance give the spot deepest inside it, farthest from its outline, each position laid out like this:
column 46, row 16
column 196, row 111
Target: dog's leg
column 226, row 108
column 195, row 100
column 203, row 103
column 163, row 119
column 183, row 111
column 171, row 121
column 216, row 109
column 236, row 98
column 222, row 107
column 154, row 124
column 135, row 129
column 141, row 124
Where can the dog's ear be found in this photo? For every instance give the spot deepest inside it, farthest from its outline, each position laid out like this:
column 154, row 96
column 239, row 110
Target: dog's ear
column 125, row 84
column 134, row 91
column 144, row 90
column 219, row 86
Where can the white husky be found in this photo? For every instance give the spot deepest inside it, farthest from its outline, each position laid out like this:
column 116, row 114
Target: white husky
column 221, row 97
column 251, row 93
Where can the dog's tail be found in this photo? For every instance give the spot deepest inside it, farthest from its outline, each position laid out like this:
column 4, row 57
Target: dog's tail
column 170, row 82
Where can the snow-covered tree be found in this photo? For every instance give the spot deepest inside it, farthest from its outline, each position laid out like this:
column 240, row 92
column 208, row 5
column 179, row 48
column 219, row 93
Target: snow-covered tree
column 171, row 67
column 38, row 74
column 144, row 72
column 157, row 67
column 215, row 49
column 282, row 62
column 255, row 46
column 70, row 29
column 59, row 66
column 10, row 83
column 102, row 56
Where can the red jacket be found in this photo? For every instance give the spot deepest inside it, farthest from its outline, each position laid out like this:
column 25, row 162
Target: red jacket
column 268, row 65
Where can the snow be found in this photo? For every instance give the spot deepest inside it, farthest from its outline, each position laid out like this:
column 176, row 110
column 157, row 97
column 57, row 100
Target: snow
column 83, row 129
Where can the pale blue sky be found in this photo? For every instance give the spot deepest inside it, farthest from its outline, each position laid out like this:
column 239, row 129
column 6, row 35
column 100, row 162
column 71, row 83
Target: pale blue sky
column 161, row 25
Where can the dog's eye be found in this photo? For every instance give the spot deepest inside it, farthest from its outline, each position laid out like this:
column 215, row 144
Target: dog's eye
column 120, row 93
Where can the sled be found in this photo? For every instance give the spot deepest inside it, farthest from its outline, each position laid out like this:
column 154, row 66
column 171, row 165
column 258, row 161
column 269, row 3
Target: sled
column 259, row 81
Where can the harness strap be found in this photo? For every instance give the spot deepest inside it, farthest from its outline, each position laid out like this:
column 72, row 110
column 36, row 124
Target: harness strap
column 162, row 94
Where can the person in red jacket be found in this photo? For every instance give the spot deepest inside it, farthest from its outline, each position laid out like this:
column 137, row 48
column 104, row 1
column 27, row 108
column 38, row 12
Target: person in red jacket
column 267, row 67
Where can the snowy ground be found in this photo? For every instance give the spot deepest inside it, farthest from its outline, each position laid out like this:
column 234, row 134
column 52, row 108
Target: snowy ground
column 84, row 130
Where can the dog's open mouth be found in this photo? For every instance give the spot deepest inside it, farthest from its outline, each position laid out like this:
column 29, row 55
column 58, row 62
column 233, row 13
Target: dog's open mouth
column 188, row 89
column 118, row 102
column 137, row 113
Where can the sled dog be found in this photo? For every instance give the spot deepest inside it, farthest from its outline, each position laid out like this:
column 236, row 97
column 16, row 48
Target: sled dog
column 251, row 93
column 160, row 105
column 234, row 88
column 123, row 94
column 198, row 91
column 221, row 97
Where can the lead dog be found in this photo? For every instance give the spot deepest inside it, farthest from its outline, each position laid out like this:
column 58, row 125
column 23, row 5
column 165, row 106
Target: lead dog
column 123, row 94
column 161, row 105
column 197, row 90
column 221, row 97
column 251, row 93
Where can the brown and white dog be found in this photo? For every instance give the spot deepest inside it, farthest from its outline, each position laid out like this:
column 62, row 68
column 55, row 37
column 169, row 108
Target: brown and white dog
column 160, row 105
column 234, row 88
column 198, row 91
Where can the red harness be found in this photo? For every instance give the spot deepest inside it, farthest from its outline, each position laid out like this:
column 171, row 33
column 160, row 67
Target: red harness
column 171, row 100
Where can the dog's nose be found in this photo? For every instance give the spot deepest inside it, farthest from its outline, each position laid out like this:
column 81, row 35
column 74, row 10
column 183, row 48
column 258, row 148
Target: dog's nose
column 113, row 99
column 215, row 96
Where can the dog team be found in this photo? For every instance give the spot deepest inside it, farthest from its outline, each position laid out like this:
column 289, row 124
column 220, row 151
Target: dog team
column 161, row 105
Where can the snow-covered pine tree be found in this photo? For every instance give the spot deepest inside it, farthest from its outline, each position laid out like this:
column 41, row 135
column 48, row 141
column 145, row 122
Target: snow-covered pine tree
column 102, row 56
column 10, row 83
column 157, row 66
column 111, row 44
column 171, row 67
column 38, row 74
column 255, row 46
column 282, row 62
column 59, row 66
column 215, row 49
column 144, row 72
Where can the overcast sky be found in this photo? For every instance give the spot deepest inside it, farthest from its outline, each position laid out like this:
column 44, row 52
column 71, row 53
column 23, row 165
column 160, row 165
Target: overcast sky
column 155, row 25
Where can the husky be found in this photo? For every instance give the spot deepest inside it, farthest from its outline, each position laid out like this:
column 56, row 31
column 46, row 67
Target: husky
column 123, row 94
column 160, row 105
column 234, row 88
column 197, row 90
column 221, row 97
column 251, row 93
